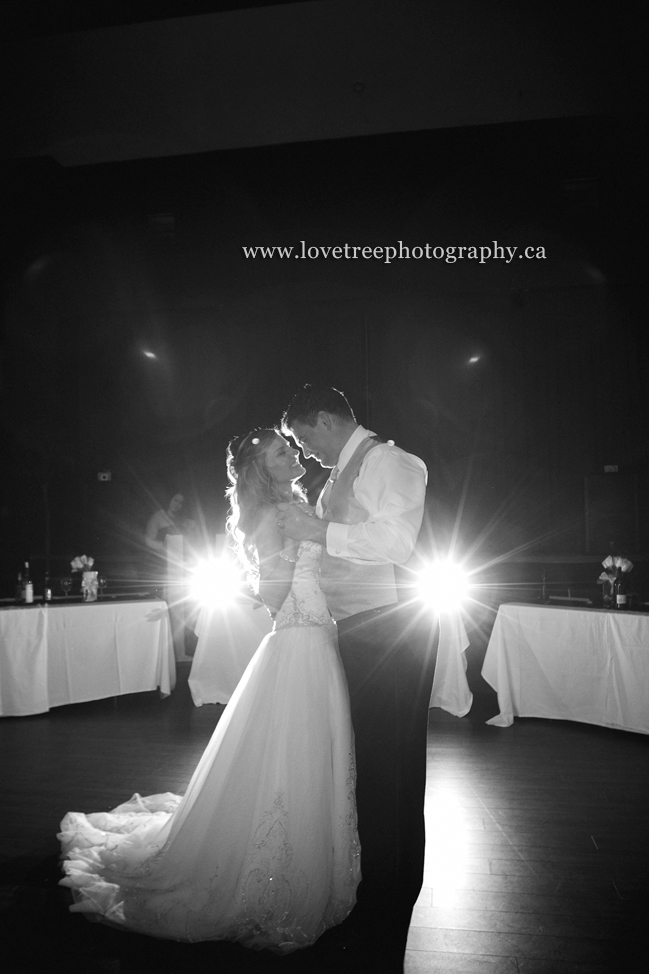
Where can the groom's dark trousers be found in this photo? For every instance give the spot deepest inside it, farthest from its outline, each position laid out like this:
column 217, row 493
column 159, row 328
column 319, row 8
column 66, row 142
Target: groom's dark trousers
column 389, row 658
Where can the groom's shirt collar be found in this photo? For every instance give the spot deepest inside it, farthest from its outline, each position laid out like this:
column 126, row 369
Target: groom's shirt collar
column 350, row 447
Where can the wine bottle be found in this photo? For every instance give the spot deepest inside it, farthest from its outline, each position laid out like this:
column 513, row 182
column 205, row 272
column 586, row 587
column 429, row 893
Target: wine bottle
column 20, row 594
column 619, row 590
column 28, row 586
column 47, row 590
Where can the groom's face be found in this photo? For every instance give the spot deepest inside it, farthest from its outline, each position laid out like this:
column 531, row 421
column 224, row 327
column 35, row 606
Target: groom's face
column 317, row 441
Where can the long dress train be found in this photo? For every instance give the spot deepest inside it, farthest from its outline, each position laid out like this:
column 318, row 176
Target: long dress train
column 263, row 848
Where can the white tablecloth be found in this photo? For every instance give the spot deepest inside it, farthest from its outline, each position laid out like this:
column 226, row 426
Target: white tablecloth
column 227, row 640
column 229, row 637
column 587, row 665
column 61, row 654
column 450, row 686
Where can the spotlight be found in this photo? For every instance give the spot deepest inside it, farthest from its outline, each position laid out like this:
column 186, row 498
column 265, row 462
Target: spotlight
column 150, row 354
column 443, row 586
column 216, row 583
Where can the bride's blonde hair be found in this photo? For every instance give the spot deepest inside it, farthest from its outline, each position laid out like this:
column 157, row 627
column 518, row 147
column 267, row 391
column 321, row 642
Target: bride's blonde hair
column 252, row 490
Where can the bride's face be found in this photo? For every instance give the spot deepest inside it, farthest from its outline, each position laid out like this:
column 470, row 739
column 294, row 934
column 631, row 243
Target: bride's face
column 282, row 461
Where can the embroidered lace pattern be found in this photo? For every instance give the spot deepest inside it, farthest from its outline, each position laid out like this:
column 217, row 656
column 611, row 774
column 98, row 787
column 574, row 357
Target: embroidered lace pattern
column 305, row 604
column 273, row 887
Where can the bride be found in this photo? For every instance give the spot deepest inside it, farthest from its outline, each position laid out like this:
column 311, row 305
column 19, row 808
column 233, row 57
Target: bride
column 263, row 848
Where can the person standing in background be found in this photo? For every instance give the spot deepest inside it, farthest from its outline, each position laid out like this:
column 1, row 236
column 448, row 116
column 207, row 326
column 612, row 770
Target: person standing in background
column 167, row 522
column 172, row 537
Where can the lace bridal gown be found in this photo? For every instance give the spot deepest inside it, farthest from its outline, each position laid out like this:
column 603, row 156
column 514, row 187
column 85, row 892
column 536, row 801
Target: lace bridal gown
column 263, row 847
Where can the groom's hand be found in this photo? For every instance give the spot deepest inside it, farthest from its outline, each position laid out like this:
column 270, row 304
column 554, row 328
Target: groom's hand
column 299, row 525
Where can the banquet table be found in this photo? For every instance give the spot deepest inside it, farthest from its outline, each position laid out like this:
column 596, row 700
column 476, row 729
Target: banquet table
column 71, row 653
column 229, row 636
column 567, row 663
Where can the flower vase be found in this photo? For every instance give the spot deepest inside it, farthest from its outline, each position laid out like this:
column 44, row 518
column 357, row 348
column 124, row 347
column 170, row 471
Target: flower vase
column 607, row 593
column 89, row 586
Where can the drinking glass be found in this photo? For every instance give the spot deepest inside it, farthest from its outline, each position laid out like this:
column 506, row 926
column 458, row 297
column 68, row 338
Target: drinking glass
column 102, row 582
column 66, row 585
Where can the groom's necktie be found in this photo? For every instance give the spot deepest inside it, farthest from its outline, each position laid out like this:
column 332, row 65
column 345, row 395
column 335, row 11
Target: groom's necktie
column 326, row 494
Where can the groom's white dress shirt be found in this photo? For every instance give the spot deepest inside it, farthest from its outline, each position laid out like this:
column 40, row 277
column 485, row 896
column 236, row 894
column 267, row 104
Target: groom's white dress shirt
column 391, row 486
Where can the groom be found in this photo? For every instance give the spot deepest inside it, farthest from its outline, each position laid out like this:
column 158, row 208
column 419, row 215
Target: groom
column 368, row 518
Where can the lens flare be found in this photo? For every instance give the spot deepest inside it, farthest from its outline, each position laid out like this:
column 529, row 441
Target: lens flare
column 215, row 583
column 443, row 586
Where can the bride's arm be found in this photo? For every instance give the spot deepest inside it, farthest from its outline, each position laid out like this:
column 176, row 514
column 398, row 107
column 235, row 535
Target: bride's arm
column 275, row 571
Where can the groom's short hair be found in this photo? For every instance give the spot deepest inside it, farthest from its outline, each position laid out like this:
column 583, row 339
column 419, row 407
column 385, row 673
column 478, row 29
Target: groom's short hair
column 311, row 400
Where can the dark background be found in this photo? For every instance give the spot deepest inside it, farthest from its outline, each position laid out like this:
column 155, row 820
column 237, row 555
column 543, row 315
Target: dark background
column 114, row 257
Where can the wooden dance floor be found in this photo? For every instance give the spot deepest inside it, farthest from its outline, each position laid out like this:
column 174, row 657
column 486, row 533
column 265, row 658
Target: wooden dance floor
column 537, row 852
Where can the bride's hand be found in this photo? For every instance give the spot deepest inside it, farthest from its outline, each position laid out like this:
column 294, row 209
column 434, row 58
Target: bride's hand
column 298, row 521
column 304, row 508
column 290, row 512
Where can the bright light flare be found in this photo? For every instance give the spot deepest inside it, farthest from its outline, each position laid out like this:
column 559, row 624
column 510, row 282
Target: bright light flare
column 443, row 586
column 215, row 583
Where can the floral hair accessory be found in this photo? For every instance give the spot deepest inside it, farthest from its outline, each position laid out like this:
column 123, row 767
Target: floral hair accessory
column 82, row 563
column 255, row 441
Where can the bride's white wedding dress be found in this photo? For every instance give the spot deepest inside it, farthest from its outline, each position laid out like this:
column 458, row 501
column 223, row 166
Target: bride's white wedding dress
column 263, row 847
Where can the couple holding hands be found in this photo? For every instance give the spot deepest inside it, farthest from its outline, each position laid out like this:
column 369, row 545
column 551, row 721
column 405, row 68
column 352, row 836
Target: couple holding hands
column 306, row 808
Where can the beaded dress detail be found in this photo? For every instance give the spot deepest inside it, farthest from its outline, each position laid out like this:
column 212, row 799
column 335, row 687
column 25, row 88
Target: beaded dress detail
column 263, row 847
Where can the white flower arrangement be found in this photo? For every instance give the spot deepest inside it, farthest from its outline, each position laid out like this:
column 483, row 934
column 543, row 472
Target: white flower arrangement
column 611, row 563
column 82, row 563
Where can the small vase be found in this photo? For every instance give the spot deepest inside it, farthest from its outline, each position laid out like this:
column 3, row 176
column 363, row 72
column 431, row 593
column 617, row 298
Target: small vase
column 89, row 585
column 607, row 594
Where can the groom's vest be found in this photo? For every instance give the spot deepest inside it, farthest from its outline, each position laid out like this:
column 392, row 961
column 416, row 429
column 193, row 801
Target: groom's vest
column 348, row 587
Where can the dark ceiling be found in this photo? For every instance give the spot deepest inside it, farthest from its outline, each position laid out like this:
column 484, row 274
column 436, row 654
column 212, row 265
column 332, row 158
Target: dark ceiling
column 125, row 79
column 41, row 18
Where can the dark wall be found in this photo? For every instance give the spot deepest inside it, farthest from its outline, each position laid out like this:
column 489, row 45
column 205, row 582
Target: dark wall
column 109, row 261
